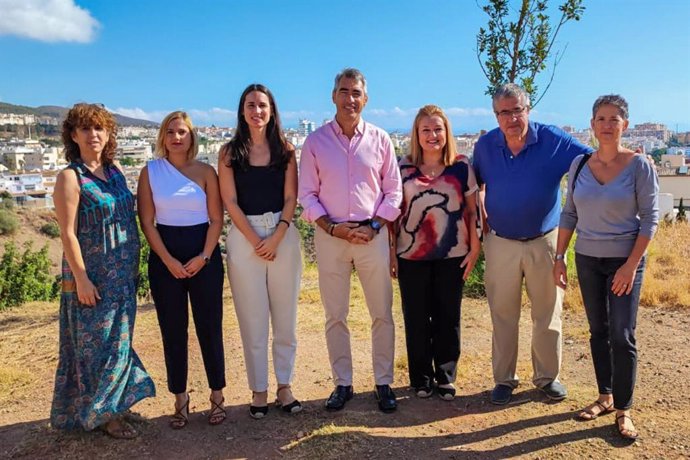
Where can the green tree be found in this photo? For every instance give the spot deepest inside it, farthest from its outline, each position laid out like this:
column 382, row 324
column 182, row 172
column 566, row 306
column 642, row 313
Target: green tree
column 516, row 51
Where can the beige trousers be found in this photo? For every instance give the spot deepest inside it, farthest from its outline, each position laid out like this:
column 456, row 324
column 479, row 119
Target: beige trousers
column 335, row 258
column 508, row 262
column 263, row 290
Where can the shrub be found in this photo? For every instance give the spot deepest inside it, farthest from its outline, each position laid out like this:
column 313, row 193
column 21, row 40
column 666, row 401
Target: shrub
column 51, row 229
column 143, row 284
column 474, row 285
column 25, row 277
column 306, row 233
column 8, row 222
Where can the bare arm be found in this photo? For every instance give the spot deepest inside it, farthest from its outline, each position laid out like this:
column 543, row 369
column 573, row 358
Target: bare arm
column 475, row 245
column 214, row 208
column 228, row 193
column 147, row 216
column 482, row 209
column 66, row 199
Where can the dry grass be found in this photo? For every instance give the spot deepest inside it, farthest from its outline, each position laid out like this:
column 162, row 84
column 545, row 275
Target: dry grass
column 667, row 276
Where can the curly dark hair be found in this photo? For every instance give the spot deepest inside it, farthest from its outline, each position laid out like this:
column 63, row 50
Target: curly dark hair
column 84, row 115
column 240, row 144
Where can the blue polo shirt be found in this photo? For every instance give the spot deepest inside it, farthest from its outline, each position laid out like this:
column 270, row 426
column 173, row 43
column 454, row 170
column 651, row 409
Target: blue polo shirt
column 523, row 194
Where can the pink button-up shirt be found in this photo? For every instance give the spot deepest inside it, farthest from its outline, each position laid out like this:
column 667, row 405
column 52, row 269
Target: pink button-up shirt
column 349, row 179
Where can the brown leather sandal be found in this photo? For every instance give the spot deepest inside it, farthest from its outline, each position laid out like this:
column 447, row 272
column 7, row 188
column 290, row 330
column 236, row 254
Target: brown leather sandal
column 218, row 413
column 588, row 412
column 180, row 418
column 119, row 429
column 630, row 435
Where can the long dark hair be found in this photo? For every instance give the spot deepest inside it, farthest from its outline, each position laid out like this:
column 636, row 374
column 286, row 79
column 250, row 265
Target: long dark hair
column 240, row 144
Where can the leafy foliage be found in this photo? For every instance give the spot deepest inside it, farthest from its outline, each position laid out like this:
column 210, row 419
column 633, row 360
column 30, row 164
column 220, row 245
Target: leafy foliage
column 143, row 284
column 306, row 233
column 517, row 51
column 25, row 277
column 51, row 229
column 8, row 221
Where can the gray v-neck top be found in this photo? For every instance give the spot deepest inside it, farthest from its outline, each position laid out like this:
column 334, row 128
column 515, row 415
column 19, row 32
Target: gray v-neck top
column 609, row 217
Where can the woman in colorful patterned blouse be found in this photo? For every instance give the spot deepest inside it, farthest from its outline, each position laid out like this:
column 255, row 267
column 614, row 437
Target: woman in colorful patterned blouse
column 437, row 247
column 99, row 376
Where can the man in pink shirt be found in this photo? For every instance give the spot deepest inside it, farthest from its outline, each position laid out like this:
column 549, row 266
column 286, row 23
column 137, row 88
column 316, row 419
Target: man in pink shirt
column 350, row 187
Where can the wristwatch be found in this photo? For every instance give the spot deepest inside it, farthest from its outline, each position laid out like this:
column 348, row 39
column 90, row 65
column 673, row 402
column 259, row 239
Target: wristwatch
column 559, row 257
column 375, row 225
column 206, row 258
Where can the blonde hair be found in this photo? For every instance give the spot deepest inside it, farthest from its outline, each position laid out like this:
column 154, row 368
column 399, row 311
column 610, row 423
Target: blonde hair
column 450, row 151
column 161, row 151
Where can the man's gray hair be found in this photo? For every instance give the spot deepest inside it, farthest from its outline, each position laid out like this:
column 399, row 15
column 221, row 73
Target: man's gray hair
column 615, row 100
column 353, row 73
column 511, row 90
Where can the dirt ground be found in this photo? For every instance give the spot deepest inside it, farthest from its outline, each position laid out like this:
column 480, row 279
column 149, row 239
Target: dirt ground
column 468, row 427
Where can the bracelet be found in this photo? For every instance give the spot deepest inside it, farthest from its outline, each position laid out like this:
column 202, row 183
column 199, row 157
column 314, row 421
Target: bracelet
column 285, row 222
column 331, row 228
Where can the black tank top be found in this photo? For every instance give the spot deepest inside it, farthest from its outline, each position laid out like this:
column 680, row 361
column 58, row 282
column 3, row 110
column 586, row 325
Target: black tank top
column 260, row 189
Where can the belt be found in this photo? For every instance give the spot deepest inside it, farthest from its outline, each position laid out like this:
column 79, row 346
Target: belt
column 361, row 223
column 267, row 219
column 529, row 238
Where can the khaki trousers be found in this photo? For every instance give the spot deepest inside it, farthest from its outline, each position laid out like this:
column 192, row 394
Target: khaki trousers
column 335, row 258
column 508, row 262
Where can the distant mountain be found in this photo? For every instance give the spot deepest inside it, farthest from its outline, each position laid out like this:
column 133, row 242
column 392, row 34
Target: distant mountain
column 60, row 112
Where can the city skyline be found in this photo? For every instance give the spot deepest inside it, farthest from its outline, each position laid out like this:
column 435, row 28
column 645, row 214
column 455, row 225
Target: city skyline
column 146, row 59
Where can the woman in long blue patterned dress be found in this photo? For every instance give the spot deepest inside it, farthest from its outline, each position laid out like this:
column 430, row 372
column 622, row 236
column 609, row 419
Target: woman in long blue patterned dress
column 99, row 376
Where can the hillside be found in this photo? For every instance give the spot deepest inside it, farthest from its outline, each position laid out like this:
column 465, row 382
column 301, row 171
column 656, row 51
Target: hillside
column 59, row 113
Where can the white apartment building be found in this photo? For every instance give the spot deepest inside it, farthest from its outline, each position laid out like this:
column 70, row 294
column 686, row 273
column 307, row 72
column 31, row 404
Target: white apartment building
column 138, row 151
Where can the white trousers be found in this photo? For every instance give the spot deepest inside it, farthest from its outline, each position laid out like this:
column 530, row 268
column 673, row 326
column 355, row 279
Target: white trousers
column 263, row 290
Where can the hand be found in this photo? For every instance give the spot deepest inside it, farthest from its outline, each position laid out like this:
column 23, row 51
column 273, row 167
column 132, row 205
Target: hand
column 363, row 235
column 267, row 248
column 560, row 274
column 194, row 265
column 344, row 231
column 623, row 280
column 469, row 262
column 393, row 263
column 176, row 268
column 87, row 293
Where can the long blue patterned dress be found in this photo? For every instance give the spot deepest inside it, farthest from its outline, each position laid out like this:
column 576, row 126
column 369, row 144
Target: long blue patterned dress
column 99, row 375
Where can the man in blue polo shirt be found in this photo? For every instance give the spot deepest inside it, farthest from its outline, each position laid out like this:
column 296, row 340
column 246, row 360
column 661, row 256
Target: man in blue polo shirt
column 519, row 167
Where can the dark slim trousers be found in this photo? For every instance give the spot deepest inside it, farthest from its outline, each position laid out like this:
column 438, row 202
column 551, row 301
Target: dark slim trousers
column 431, row 292
column 205, row 293
column 612, row 321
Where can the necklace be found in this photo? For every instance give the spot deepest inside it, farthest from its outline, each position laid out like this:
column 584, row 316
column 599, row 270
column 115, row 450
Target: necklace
column 433, row 170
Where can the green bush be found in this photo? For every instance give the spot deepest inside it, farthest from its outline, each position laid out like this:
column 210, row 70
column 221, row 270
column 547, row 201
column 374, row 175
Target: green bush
column 143, row 284
column 25, row 277
column 306, row 233
column 8, row 222
column 51, row 229
column 474, row 285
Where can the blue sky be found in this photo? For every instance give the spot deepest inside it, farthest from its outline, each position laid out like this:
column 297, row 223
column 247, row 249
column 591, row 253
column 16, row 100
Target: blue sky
column 146, row 58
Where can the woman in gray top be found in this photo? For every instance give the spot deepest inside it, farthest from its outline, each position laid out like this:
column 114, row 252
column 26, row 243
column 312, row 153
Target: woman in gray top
column 613, row 203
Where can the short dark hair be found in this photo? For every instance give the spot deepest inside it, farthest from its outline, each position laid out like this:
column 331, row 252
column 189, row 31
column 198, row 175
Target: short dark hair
column 615, row 100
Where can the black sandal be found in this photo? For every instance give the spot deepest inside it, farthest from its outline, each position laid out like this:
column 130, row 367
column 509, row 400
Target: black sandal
column 587, row 414
column 257, row 412
column 218, row 413
column 180, row 418
column 447, row 394
column 291, row 408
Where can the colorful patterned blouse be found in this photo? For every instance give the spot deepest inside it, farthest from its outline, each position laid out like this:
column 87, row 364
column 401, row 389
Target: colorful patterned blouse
column 433, row 224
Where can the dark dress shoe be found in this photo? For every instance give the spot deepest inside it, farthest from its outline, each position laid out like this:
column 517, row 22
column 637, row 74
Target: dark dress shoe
column 386, row 398
column 339, row 397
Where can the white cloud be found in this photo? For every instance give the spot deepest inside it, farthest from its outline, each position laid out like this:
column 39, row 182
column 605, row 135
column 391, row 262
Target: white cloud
column 47, row 20
column 215, row 115
column 450, row 111
column 140, row 114
column 296, row 115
